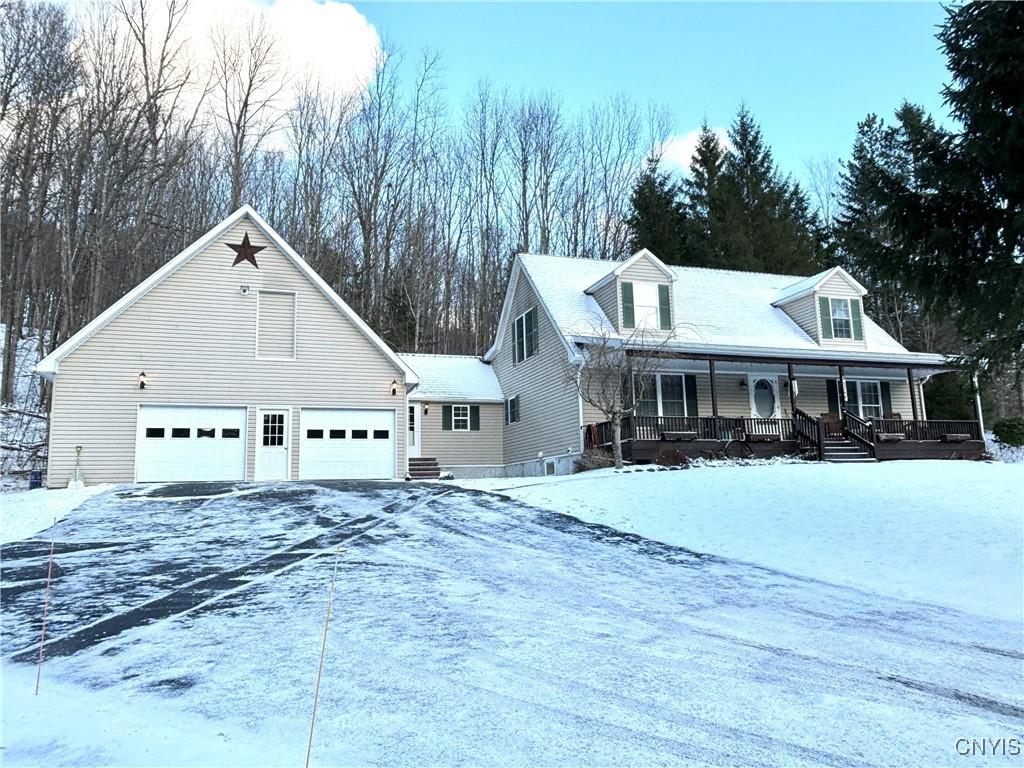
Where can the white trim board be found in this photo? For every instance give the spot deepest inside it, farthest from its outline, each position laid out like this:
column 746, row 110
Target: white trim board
column 50, row 364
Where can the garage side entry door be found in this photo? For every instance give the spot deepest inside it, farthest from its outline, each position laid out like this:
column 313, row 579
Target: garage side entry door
column 183, row 443
column 346, row 443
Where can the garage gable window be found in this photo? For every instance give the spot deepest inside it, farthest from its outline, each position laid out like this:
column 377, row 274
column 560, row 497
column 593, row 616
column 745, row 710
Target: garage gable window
column 275, row 325
column 460, row 418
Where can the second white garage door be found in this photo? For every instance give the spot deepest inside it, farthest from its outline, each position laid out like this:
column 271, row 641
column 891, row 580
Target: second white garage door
column 346, row 443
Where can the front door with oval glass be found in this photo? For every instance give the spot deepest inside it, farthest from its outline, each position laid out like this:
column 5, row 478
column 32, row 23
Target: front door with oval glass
column 764, row 396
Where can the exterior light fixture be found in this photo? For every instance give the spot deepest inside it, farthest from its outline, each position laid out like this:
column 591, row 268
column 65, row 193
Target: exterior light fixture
column 426, row 409
column 142, row 380
column 394, row 387
column 743, row 383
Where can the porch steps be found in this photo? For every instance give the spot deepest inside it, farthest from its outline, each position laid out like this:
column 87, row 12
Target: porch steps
column 424, row 469
column 845, row 451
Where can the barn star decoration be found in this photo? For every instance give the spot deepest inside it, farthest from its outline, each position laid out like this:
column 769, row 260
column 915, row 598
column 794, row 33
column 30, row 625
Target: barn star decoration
column 246, row 251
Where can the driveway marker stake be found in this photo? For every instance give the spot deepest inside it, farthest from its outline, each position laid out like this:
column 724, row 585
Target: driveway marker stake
column 46, row 609
column 323, row 653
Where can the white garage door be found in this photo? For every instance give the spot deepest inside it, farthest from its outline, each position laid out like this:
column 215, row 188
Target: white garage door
column 190, row 443
column 340, row 443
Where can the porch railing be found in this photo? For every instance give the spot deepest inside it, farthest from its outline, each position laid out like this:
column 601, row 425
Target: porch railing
column 933, row 429
column 809, row 434
column 704, row 427
column 860, row 431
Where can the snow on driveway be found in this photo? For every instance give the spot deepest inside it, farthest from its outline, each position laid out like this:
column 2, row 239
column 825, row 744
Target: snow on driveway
column 467, row 629
column 944, row 532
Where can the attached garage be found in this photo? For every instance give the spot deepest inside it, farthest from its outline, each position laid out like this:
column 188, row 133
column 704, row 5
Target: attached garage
column 181, row 443
column 343, row 443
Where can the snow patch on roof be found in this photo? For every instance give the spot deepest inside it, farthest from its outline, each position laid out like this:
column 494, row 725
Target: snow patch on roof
column 453, row 377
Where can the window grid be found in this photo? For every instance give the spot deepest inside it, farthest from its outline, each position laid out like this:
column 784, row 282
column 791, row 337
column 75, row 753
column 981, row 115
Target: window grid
column 842, row 326
column 273, row 429
column 460, row 418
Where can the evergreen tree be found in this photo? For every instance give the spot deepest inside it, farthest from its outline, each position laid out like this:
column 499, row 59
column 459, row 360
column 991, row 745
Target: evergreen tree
column 958, row 227
column 657, row 218
column 701, row 192
column 761, row 220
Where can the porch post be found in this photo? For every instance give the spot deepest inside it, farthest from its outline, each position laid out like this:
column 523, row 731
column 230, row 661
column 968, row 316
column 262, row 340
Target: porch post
column 714, row 393
column 842, row 390
column 913, row 394
column 792, row 394
column 977, row 405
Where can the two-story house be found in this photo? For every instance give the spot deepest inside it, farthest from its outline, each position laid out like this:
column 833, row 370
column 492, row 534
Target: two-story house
column 236, row 361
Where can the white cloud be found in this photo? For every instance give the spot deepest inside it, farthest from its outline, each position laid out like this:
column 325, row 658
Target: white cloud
column 677, row 150
column 329, row 42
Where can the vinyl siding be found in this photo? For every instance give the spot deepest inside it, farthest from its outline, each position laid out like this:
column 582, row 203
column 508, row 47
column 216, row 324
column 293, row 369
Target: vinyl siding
column 837, row 285
column 643, row 270
column 607, row 297
column 804, row 312
column 453, row 448
column 195, row 337
column 548, row 402
column 276, row 320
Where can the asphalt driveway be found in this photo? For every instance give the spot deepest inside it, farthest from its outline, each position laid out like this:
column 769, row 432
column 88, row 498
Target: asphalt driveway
column 472, row 630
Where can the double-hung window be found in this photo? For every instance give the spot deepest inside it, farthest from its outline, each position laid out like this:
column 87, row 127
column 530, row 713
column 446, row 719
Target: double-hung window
column 645, row 390
column 870, row 399
column 842, row 326
column 460, row 418
column 525, row 336
column 512, row 410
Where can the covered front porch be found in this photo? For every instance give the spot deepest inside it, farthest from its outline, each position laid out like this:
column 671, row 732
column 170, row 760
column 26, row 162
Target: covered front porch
column 693, row 406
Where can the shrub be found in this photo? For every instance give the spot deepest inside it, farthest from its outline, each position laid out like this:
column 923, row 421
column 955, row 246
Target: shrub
column 1009, row 431
column 593, row 458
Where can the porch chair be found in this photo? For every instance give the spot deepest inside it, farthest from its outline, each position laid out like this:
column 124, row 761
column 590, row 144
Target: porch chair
column 893, row 432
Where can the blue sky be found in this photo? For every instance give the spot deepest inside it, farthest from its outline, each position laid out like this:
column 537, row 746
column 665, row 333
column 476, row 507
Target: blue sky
column 808, row 72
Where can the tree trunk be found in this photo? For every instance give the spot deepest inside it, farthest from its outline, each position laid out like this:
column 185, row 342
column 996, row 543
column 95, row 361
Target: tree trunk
column 617, row 440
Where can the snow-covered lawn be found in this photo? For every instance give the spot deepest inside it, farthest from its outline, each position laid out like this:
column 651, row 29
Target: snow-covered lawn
column 943, row 532
column 25, row 513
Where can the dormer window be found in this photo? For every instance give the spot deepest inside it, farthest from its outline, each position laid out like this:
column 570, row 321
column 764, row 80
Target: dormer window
column 842, row 326
column 841, row 319
column 646, row 306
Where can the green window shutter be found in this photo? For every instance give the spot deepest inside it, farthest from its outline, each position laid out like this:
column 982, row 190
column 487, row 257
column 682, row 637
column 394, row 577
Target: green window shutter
column 474, row 418
column 886, row 398
column 515, row 408
column 628, row 320
column 858, row 323
column 853, row 396
column 532, row 345
column 832, row 390
column 691, row 395
column 664, row 310
column 826, row 317
column 446, row 418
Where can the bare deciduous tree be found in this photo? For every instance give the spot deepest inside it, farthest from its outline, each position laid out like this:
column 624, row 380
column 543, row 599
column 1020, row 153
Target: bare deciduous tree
column 611, row 372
